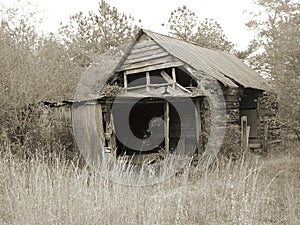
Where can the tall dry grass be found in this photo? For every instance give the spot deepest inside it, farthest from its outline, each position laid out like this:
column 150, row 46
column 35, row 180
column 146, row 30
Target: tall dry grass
column 255, row 190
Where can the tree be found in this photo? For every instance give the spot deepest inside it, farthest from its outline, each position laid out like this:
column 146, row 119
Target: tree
column 278, row 35
column 89, row 35
column 183, row 24
column 211, row 35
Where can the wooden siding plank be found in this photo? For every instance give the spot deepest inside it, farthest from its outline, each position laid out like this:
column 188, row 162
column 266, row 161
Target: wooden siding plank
column 150, row 62
column 145, row 49
column 154, row 67
column 145, row 53
column 144, row 43
column 145, row 58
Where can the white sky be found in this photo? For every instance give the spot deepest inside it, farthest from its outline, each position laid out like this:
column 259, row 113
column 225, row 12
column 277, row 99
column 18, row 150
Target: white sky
column 229, row 13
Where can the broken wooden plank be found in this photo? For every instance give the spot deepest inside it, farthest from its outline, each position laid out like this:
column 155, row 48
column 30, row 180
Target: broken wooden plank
column 166, row 76
column 182, row 88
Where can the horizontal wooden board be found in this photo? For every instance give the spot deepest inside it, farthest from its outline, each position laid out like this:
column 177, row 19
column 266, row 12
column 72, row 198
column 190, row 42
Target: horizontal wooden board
column 145, row 58
column 165, row 59
column 145, row 49
column 144, row 43
column 145, row 53
column 155, row 67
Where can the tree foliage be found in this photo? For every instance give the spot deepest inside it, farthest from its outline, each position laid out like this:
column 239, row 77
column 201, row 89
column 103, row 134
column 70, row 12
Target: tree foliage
column 184, row 24
column 210, row 34
column 278, row 35
column 88, row 35
column 36, row 67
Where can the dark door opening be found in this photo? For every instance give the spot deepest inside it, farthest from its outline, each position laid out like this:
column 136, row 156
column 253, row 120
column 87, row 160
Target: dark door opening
column 145, row 119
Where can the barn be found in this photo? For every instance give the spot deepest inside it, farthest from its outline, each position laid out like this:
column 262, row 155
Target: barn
column 158, row 72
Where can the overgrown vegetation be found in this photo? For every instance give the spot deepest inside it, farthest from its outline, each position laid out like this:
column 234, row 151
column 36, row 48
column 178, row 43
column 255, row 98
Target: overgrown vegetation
column 251, row 191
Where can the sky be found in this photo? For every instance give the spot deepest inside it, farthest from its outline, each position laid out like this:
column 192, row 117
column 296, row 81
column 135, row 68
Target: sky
column 231, row 14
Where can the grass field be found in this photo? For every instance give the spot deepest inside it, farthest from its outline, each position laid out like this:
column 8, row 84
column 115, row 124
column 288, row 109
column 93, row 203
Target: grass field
column 256, row 190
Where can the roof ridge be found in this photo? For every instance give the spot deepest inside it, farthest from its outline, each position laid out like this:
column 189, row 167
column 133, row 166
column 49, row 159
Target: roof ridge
column 187, row 42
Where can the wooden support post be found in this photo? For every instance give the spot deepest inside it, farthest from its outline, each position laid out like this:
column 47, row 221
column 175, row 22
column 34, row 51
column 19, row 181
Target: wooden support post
column 125, row 82
column 110, row 131
column 244, row 132
column 113, row 135
column 148, row 81
column 174, row 77
column 198, row 124
column 99, row 120
column 167, row 126
column 265, row 135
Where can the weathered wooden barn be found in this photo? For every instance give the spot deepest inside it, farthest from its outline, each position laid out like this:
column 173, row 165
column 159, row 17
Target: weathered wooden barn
column 154, row 66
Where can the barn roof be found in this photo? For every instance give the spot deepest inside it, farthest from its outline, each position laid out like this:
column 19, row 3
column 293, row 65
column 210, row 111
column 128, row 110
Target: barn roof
column 223, row 66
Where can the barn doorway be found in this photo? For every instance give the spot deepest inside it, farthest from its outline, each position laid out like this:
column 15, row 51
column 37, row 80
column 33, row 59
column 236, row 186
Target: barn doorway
column 148, row 118
column 248, row 108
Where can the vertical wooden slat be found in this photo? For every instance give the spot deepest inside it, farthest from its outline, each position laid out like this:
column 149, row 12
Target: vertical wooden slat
column 99, row 120
column 113, row 135
column 244, row 132
column 174, row 77
column 110, row 131
column 125, row 81
column 198, row 124
column 167, row 126
column 265, row 134
column 147, row 80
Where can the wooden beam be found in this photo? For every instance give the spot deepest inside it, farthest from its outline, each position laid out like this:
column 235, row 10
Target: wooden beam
column 110, row 131
column 265, row 134
column 125, row 81
column 166, row 77
column 182, row 88
column 167, row 126
column 174, row 76
column 147, row 81
column 244, row 132
column 113, row 135
column 99, row 120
